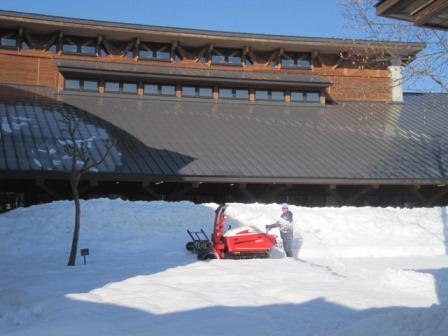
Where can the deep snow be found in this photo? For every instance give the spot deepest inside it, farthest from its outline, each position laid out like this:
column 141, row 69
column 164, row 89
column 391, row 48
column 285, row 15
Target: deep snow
column 368, row 271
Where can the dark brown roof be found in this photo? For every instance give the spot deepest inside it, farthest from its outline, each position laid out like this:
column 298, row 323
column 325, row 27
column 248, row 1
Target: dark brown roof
column 205, row 140
column 133, row 71
column 426, row 13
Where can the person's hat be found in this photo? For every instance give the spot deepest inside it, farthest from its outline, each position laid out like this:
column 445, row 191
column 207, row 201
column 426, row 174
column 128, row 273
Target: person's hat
column 285, row 206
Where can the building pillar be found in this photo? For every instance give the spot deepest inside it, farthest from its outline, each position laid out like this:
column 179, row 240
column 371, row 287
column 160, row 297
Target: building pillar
column 396, row 76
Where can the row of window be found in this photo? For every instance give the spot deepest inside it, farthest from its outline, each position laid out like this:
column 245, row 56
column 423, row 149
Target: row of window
column 164, row 52
column 190, row 91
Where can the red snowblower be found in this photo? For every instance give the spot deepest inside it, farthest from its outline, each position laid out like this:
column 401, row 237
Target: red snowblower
column 245, row 242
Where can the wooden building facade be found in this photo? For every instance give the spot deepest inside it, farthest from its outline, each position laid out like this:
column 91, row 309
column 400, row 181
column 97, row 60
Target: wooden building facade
column 215, row 116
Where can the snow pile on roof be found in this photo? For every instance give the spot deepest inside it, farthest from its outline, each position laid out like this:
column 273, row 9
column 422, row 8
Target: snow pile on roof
column 368, row 271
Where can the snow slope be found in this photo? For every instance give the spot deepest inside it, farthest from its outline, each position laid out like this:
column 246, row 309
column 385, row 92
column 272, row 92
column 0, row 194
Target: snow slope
column 359, row 271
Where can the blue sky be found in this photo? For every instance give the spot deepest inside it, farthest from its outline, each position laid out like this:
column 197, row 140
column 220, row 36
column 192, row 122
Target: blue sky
column 320, row 18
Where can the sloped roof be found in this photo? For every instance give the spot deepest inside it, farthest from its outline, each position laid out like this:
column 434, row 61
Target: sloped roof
column 205, row 140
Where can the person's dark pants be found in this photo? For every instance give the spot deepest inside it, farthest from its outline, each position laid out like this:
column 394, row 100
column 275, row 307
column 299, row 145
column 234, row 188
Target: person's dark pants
column 287, row 235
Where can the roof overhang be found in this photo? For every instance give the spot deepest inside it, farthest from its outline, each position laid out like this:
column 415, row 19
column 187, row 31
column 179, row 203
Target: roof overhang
column 425, row 13
column 195, row 37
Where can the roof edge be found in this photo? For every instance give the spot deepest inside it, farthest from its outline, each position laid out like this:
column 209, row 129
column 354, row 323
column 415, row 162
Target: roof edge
column 415, row 46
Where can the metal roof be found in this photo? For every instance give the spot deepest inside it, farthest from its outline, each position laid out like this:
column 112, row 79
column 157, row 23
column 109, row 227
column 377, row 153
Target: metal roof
column 205, row 140
column 68, row 66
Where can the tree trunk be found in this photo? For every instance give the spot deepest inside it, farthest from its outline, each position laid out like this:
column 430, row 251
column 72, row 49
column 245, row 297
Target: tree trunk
column 74, row 249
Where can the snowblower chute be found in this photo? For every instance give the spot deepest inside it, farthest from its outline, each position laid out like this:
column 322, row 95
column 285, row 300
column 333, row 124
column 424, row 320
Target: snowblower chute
column 240, row 243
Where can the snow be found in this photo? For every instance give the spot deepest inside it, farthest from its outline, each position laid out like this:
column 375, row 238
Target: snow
column 357, row 271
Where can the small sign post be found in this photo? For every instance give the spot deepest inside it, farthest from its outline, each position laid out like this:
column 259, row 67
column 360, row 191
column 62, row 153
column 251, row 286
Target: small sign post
column 85, row 252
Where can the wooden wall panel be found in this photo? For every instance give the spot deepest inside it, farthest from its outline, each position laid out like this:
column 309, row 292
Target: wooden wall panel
column 28, row 68
column 348, row 83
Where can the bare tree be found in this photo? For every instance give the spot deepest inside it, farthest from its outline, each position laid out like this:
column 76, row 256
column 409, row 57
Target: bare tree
column 81, row 163
column 431, row 65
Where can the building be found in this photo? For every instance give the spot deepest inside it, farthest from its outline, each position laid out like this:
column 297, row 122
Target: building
column 423, row 13
column 214, row 116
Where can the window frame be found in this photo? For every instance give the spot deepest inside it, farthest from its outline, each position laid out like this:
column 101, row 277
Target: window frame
column 155, row 48
column 9, row 35
column 81, row 84
column 227, row 53
column 305, row 97
column 269, row 96
column 79, row 43
column 233, row 93
column 296, row 58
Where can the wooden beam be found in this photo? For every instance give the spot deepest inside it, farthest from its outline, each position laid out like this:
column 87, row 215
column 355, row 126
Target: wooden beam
column 174, row 45
column 182, row 191
column 433, row 199
column 385, row 5
column 331, row 190
column 338, row 62
column 99, row 41
column 415, row 191
column 87, row 186
column 359, row 194
column 41, row 184
column 146, row 186
column 316, row 55
column 424, row 15
column 243, row 188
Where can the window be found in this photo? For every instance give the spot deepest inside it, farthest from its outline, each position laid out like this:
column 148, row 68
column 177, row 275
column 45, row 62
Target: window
column 225, row 93
column 218, row 59
column 188, row 91
column 226, row 56
column 153, row 51
column 301, row 96
column 146, row 54
column 192, row 91
column 261, row 95
column 296, row 60
column 88, row 49
column 275, row 95
column 312, row 97
column 163, row 55
column 53, row 48
column 90, row 85
column 72, row 84
column 151, row 89
column 278, row 95
column 205, row 92
column 158, row 89
column 112, row 86
column 24, row 46
column 242, row 93
column 234, row 93
column 79, row 45
column 129, row 87
column 70, row 47
column 297, row 96
column 8, row 39
column 168, row 90
column 81, row 84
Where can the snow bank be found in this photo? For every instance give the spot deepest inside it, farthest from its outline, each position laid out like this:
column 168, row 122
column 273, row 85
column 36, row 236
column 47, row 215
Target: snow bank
column 123, row 227
column 351, row 232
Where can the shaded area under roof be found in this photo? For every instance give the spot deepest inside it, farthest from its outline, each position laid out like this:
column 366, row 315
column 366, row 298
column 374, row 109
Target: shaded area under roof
column 222, row 141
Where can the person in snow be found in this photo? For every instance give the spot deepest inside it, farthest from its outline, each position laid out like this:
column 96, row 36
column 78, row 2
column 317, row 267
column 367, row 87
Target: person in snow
column 286, row 229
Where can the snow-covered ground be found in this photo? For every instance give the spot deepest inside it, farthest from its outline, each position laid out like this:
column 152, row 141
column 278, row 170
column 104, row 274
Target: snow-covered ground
column 358, row 271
